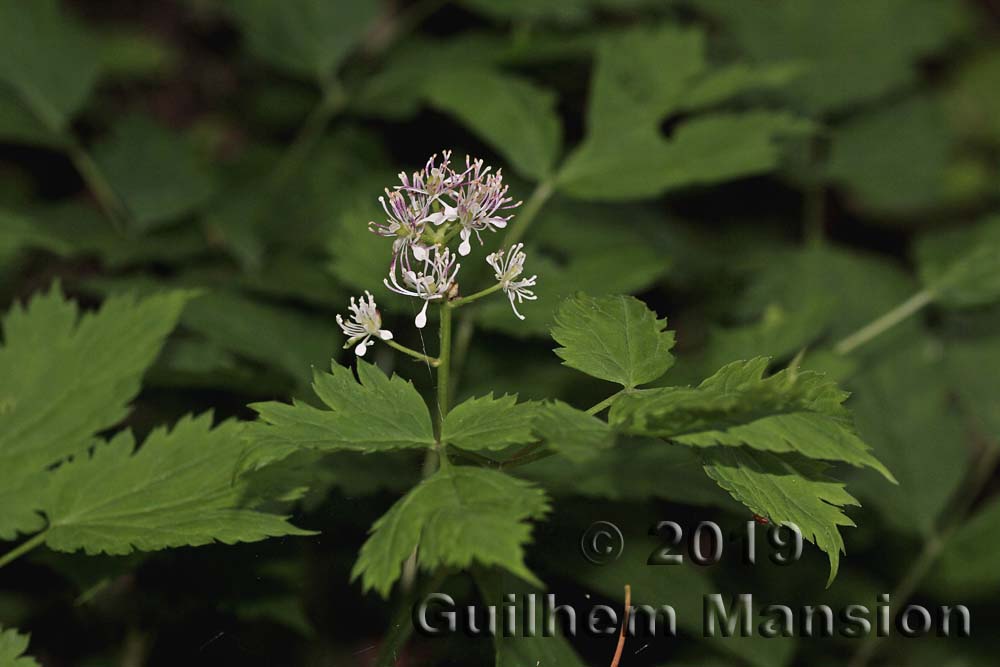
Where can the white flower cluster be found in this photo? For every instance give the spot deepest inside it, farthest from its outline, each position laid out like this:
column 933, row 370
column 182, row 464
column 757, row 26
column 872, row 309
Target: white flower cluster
column 423, row 214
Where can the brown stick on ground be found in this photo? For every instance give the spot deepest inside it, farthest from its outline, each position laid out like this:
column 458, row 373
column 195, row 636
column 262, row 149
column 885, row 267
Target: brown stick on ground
column 621, row 635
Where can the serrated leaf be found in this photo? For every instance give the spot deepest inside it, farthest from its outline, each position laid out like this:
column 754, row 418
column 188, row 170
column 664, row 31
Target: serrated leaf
column 614, row 338
column 157, row 174
column 860, row 61
column 457, row 517
column 181, row 488
column 789, row 411
column 489, row 423
column 373, row 413
column 576, row 435
column 65, row 377
column 962, row 266
column 519, row 121
column 641, row 78
column 47, row 58
column 786, row 489
column 12, row 648
column 303, row 37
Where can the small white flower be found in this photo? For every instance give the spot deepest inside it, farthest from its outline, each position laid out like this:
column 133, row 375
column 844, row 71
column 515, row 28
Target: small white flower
column 508, row 270
column 404, row 223
column 365, row 322
column 431, row 283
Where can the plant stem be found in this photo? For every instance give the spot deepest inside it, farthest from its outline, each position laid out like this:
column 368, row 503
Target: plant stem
column 982, row 472
column 23, row 548
column 465, row 300
column 413, row 353
column 543, row 191
column 606, row 403
column 882, row 324
column 444, row 368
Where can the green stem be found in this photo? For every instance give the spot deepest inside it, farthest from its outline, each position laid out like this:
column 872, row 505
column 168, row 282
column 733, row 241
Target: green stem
column 465, row 300
column 413, row 353
column 606, row 403
column 543, row 191
column 23, row 548
column 444, row 370
column 887, row 321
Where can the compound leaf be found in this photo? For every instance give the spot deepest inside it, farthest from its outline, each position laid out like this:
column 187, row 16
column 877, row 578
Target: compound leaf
column 786, row 489
column 614, row 338
column 181, row 488
column 458, row 516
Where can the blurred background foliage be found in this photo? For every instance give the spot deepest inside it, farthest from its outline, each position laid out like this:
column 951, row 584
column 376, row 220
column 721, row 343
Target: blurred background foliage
column 769, row 175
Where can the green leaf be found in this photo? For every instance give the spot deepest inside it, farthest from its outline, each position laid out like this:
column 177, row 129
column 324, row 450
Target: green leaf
column 576, row 435
column 19, row 125
column 635, row 469
column 12, row 648
column 894, row 160
column 519, row 121
column 20, row 498
column 373, row 413
column 962, row 266
column 864, row 58
column 181, row 488
column 157, row 174
column 65, row 377
column 625, row 155
column 614, row 338
column 489, row 423
column 786, row 489
column 47, row 58
column 458, row 516
column 303, row 37
column 641, row 163
column 904, row 406
column 789, row 411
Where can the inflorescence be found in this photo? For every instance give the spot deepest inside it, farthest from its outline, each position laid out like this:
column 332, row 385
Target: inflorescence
column 427, row 211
